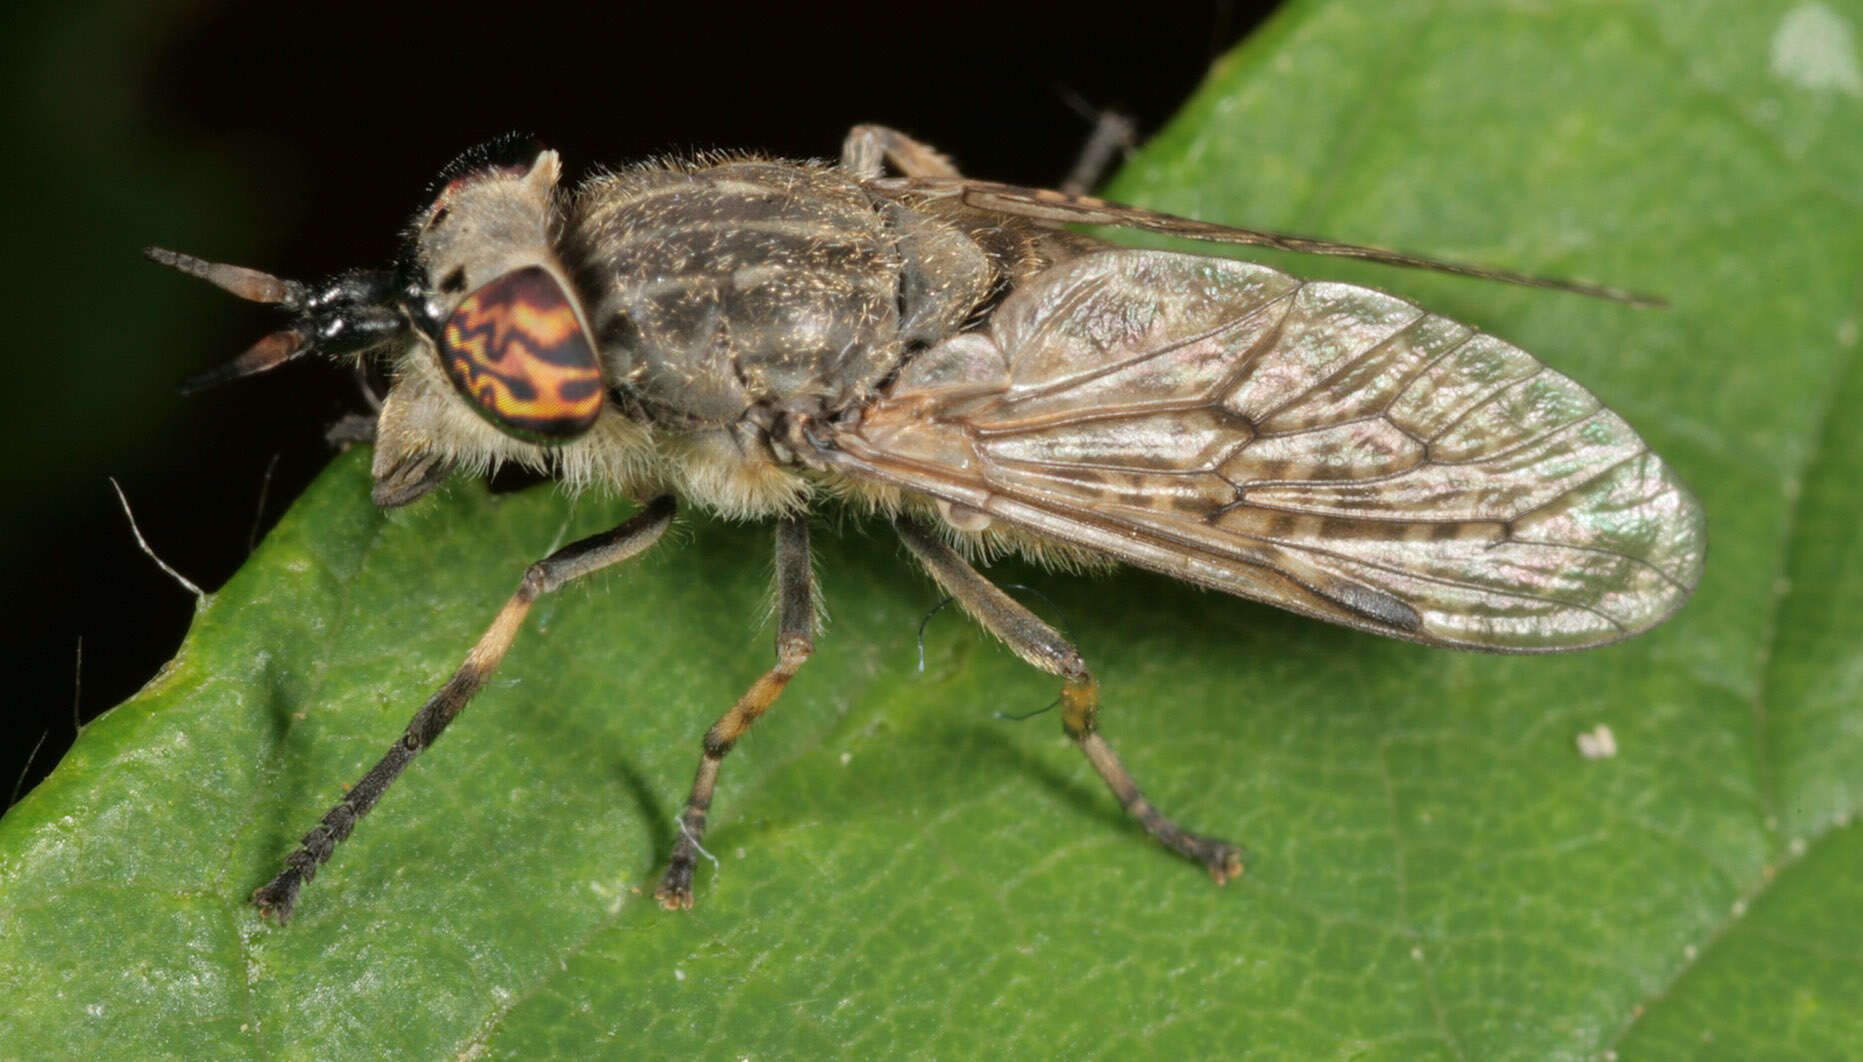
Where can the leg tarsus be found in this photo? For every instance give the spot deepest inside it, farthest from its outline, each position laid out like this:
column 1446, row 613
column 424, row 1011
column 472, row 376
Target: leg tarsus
column 675, row 891
column 278, row 898
column 1222, row 859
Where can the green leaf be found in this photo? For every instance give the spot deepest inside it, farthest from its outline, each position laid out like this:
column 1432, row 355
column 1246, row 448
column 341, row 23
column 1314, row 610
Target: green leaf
column 1434, row 867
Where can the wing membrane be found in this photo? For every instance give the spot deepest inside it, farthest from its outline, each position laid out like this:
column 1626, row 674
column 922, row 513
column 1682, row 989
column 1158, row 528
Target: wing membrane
column 1319, row 446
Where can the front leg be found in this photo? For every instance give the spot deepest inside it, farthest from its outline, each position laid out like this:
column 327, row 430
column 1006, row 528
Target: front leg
column 280, row 897
column 795, row 640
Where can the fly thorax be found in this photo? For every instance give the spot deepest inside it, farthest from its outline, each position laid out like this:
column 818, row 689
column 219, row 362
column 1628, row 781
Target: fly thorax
column 722, row 288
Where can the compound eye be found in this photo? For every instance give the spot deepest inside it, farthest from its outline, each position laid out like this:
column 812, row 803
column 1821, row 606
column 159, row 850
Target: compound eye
column 516, row 348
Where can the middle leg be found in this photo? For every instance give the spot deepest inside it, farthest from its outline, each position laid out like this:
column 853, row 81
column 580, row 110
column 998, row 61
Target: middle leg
column 795, row 640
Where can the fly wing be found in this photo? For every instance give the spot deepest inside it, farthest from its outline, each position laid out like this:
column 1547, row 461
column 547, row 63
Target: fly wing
column 1327, row 448
column 1055, row 209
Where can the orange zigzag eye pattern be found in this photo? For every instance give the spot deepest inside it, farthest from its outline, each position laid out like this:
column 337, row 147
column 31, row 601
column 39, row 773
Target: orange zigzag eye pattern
column 517, row 350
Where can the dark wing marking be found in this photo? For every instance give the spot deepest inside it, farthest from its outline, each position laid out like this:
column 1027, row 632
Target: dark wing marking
column 1060, row 208
column 1319, row 446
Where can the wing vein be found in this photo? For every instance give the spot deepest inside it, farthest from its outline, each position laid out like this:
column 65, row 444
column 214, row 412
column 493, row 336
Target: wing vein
column 1137, row 530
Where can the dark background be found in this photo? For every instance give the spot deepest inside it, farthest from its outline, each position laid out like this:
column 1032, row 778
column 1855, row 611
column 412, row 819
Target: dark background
column 297, row 140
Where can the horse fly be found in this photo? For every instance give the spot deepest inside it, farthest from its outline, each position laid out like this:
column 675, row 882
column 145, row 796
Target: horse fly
column 761, row 337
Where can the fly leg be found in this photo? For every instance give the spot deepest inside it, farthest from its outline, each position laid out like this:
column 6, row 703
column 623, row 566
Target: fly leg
column 868, row 148
column 571, row 562
column 1040, row 645
column 1114, row 137
column 795, row 640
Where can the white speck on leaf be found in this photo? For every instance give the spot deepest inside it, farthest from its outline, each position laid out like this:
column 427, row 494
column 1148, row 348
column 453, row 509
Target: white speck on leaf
column 1598, row 743
column 1814, row 49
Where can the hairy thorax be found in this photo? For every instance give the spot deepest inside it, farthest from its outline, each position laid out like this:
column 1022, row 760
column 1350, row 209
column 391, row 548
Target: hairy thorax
column 734, row 298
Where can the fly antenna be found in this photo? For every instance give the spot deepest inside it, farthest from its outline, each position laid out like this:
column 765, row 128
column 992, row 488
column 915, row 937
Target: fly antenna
column 249, row 284
column 254, row 286
column 265, row 355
